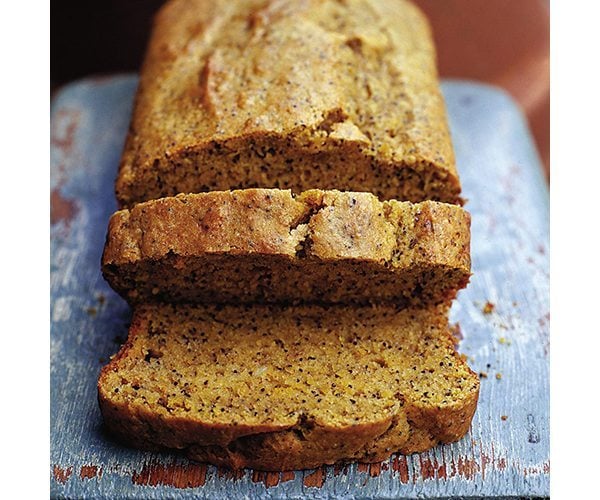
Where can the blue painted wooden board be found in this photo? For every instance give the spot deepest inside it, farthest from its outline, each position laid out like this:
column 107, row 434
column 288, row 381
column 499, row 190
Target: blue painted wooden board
column 506, row 452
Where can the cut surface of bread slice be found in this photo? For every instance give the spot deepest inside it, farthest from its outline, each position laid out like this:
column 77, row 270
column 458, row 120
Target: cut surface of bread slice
column 285, row 388
column 265, row 245
column 289, row 94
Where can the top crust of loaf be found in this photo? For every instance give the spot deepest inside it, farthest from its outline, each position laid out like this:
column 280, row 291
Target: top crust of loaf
column 339, row 225
column 290, row 94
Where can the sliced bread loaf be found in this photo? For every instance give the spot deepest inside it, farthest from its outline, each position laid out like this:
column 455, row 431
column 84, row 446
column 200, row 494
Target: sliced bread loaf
column 265, row 245
column 281, row 388
column 289, row 94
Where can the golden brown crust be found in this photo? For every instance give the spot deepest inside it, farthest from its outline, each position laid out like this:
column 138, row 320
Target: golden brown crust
column 265, row 245
column 236, row 222
column 289, row 94
column 425, row 392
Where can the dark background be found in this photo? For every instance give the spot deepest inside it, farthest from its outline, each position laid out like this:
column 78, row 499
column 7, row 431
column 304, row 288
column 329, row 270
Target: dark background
column 503, row 42
column 91, row 37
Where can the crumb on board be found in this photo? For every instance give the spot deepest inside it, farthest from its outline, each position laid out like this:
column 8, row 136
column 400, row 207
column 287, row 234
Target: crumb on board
column 457, row 334
column 101, row 298
column 498, row 376
column 504, row 340
column 483, row 375
column 488, row 365
column 504, row 417
column 91, row 311
column 488, row 308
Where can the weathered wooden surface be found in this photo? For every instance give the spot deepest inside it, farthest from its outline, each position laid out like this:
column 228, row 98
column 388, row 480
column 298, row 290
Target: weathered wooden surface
column 506, row 453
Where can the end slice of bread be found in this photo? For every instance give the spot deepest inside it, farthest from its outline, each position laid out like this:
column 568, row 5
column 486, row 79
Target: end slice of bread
column 285, row 388
column 267, row 245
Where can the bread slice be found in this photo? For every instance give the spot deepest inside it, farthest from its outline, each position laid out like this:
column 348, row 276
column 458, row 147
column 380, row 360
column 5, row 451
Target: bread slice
column 289, row 94
column 282, row 388
column 265, row 245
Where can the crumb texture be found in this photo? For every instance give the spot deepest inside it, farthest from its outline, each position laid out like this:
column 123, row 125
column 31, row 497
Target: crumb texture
column 266, row 245
column 289, row 94
column 281, row 388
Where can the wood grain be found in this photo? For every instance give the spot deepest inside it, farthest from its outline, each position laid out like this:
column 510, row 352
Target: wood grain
column 506, row 452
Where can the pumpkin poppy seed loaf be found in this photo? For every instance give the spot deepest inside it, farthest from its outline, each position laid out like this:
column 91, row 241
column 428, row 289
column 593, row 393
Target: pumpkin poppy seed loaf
column 265, row 245
column 289, row 94
column 281, row 388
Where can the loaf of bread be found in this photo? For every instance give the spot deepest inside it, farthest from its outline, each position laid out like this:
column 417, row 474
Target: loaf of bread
column 265, row 245
column 296, row 94
column 291, row 238
column 281, row 388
